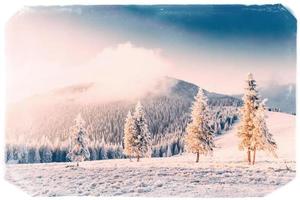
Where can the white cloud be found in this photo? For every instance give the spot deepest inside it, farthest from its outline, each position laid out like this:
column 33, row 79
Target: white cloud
column 128, row 71
column 124, row 71
column 121, row 71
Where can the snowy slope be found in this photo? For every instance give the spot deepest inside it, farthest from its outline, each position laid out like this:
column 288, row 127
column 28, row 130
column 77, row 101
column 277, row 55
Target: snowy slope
column 223, row 175
column 281, row 125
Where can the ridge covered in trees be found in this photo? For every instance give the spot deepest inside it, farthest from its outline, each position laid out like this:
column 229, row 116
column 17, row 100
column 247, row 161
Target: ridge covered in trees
column 41, row 133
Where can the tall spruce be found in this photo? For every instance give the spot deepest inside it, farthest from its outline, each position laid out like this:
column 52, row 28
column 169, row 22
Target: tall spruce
column 128, row 135
column 199, row 138
column 262, row 139
column 78, row 150
column 248, row 112
column 141, row 136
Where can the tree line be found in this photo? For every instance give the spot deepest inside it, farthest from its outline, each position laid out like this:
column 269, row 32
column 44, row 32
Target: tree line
column 204, row 123
column 33, row 149
column 199, row 139
column 253, row 132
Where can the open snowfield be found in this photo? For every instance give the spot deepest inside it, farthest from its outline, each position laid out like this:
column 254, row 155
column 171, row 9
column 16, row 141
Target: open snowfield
column 226, row 174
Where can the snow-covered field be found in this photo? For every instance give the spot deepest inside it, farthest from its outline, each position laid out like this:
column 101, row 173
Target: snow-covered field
column 226, row 174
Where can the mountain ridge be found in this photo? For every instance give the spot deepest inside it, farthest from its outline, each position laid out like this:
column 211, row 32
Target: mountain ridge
column 166, row 113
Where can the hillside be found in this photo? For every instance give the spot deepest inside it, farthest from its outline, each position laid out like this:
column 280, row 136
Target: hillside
column 223, row 175
column 44, row 120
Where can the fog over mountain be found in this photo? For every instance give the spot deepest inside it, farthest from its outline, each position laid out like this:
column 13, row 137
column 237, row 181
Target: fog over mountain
column 167, row 107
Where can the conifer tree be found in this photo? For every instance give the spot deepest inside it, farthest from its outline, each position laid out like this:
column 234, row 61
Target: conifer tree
column 199, row 138
column 37, row 157
column 248, row 111
column 128, row 135
column 169, row 151
column 46, row 150
column 78, row 150
column 46, row 155
column 23, row 154
column 226, row 126
column 9, row 153
column 253, row 130
column 141, row 136
column 262, row 139
column 176, row 150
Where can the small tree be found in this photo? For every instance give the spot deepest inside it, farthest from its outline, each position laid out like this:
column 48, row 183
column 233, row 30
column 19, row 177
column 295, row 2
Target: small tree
column 251, row 103
column 46, row 155
column 78, row 150
column 169, row 151
column 128, row 135
column 23, row 154
column 176, row 150
column 37, row 157
column 46, row 150
column 199, row 138
column 141, row 136
column 226, row 126
column 262, row 139
column 9, row 154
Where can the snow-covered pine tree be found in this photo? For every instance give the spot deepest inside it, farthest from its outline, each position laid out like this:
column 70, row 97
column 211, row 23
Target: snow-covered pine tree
column 9, row 154
column 217, row 128
column 46, row 155
column 199, row 138
column 176, row 150
column 102, row 150
column 262, row 139
column 251, row 103
column 37, row 157
column 23, row 154
column 128, row 135
column 102, row 153
column 141, row 136
column 226, row 126
column 78, row 150
column 93, row 153
column 169, row 151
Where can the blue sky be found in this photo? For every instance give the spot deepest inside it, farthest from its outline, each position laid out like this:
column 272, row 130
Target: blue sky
column 205, row 44
column 269, row 30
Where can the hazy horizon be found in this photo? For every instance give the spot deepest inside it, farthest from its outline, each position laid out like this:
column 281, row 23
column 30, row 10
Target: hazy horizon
column 127, row 46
